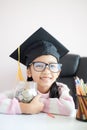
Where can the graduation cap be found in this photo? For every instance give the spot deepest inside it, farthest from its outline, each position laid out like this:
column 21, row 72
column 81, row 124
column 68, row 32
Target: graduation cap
column 39, row 43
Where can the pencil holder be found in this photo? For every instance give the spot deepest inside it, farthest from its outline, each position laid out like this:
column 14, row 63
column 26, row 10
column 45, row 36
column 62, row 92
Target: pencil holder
column 81, row 113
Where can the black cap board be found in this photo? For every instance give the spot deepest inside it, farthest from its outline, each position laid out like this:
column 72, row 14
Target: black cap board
column 39, row 43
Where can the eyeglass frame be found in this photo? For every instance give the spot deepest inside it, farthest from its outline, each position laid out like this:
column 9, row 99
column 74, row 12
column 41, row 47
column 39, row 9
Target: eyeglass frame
column 46, row 65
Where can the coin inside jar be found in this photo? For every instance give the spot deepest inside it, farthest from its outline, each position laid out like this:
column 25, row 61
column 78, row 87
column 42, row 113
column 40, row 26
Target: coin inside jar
column 26, row 91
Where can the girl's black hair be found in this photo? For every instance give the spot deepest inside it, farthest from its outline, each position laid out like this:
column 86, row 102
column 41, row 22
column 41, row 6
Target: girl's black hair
column 54, row 93
column 29, row 79
column 53, row 90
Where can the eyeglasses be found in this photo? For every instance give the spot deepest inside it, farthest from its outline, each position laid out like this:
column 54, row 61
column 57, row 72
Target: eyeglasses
column 41, row 66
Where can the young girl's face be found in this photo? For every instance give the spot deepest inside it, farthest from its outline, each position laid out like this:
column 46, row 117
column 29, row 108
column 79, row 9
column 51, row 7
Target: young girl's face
column 46, row 77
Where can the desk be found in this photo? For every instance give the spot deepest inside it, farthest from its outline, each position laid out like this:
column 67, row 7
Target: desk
column 40, row 122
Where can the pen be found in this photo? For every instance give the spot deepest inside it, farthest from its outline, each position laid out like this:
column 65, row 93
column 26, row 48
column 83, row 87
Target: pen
column 51, row 115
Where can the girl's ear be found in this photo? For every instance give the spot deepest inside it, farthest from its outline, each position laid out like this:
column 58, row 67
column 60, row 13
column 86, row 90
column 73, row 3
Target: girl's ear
column 29, row 73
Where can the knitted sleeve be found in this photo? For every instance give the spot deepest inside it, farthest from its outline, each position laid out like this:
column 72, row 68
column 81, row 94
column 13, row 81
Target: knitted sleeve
column 64, row 105
column 9, row 104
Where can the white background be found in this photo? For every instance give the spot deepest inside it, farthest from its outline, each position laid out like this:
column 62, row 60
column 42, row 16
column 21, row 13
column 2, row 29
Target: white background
column 66, row 20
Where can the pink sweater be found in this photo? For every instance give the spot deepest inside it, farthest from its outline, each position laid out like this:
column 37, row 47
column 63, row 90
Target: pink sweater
column 64, row 105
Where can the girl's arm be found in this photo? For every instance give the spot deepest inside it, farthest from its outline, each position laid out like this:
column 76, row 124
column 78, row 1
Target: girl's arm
column 64, row 105
column 35, row 106
column 10, row 105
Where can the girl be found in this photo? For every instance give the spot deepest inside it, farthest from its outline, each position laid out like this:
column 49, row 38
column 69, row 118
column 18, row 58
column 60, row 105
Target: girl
column 41, row 53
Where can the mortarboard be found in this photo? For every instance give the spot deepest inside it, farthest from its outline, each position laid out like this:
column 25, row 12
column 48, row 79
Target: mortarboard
column 39, row 43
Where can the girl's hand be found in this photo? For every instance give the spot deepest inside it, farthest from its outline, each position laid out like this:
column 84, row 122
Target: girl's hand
column 35, row 106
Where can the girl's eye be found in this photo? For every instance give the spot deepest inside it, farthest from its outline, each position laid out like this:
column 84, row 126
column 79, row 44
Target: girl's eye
column 53, row 66
column 39, row 66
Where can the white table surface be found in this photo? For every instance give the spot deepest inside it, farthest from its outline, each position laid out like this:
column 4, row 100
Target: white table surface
column 40, row 122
